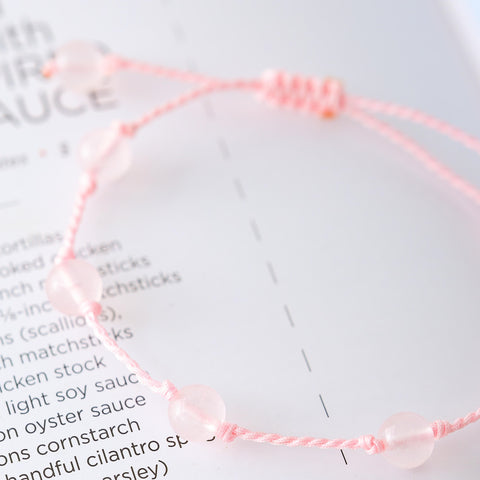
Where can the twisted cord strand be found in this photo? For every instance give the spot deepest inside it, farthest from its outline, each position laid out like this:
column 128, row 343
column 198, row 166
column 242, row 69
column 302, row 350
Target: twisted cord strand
column 114, row 63
column 441, row 428
column 230, row 431
column 91, row 311
column 86, row 188
column 411, row 147
column 188, row 97
column 299, row 93
column 421, row 118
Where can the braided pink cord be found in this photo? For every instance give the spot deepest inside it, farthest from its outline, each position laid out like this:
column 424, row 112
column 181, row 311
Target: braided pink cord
column 299, row 93
column 229, row 432
column 114, row 63
column 132, row 127
column 165, row 387
column 441, row 428
column 416, row 151
column 416, row 116
column 86, row 188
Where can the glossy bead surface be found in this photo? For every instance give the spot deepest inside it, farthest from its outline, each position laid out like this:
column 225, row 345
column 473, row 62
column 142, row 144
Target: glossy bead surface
column 196, row 412
column 409, row 440
column 79, row 66
column 106, row 154
column 71, row 283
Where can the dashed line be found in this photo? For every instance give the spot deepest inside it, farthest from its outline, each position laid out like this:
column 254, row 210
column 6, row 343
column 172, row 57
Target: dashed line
column 343, row 455
column 272, row 273
column 240, row 189
column 306, row 360
column 255, row 230
column 324, row 407
column 289, row 316
column 224, row 150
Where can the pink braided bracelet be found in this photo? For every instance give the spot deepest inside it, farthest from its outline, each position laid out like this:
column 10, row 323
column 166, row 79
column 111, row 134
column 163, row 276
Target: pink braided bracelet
column 74, row 287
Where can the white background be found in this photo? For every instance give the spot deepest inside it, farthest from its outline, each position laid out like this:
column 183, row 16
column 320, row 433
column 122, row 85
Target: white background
column 377, row 261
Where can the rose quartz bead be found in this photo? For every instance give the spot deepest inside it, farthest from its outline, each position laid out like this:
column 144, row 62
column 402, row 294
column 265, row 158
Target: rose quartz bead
column 196, row 412
column 409, row 440
column 79, row 66
column 71, row 283
column 106, row 154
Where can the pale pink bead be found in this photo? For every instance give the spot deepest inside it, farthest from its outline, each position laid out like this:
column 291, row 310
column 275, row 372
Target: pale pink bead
column 408, row 438
column 196, row 412
column 72, row 283
column 106, row 154
column 79, row 66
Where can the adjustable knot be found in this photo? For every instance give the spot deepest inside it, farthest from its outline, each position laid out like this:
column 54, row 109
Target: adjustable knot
column 50, row 68
column 326, row 98
column 440, row 428
column 90, row 307
column 371, row 444
column 227, row 432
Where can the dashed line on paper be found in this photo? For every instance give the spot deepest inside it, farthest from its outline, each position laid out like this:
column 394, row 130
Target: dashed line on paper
column 239, row 188
column 255, row 230
column 307, row 363
column 273, row 275
column 323, row 403
column 289, row 315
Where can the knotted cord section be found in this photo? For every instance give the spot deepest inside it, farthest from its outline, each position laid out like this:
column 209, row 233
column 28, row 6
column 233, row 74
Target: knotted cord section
column 441, row 428
column 324, row 97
